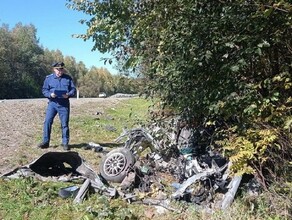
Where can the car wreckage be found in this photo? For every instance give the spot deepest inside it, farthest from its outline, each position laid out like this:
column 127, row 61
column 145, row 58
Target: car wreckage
column 152, row 165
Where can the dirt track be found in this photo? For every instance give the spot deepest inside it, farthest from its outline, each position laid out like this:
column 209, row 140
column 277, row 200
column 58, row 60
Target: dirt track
column 21, row 123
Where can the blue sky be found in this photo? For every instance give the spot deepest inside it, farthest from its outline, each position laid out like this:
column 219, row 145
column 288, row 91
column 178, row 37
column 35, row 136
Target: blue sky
column 55, row 24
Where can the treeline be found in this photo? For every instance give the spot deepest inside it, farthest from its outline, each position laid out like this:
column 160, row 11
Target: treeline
column 24, row 63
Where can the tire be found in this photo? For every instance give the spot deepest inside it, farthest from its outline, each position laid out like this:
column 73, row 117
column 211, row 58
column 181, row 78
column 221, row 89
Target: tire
column 115, row 165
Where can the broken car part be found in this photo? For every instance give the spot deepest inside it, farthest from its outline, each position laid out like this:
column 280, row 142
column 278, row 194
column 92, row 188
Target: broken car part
column 70, row 191
column 63, row 166
column 200, row 172
column 82, row 192
column 116, row 164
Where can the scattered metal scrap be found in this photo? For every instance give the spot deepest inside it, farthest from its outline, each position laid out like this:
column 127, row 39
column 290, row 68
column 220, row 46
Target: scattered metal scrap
column 94, row 147
column 198, row 177
column 65, row 167
column 151, row 168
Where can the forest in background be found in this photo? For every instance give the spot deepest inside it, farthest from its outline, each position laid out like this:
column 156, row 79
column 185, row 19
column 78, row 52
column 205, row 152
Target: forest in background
column 24, row 64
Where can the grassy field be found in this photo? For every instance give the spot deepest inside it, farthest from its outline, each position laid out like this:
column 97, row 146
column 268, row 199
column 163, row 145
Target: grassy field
column 32, row 199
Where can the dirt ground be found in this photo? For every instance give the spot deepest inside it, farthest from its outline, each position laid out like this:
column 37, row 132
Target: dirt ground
column 22, row 120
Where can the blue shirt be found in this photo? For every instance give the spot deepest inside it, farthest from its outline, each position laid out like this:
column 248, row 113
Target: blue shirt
column 52, row 83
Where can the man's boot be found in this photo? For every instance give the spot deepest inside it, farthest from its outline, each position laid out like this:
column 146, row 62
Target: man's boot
column 66, row 147
column 43, row 145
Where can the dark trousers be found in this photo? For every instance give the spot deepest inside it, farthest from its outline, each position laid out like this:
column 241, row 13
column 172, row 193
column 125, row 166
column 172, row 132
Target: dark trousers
column 63, row 111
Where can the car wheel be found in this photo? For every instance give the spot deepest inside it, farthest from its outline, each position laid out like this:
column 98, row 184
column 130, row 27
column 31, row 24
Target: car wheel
column 116, row 164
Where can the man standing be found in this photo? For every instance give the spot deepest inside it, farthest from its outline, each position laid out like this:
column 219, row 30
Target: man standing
column 58, row 88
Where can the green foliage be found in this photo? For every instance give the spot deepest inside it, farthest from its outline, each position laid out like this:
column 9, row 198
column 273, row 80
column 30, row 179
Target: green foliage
column 27, row 198
column 24, row 63
column 253, row 146
column 261, row 150
column 89, row 84
column 223, row 64
column 102, row 208
column 19, row 57
column 30, row 199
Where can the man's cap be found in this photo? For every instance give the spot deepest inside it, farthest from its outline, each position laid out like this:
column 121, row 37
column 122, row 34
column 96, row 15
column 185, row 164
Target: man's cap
column 58, row 65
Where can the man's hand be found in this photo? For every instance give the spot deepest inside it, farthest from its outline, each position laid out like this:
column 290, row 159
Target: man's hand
column 65, row 96
column 53, row 95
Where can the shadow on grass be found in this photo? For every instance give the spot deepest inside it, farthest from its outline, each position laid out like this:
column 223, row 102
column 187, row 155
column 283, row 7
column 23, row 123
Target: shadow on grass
column 81, row 145
column 106, row 146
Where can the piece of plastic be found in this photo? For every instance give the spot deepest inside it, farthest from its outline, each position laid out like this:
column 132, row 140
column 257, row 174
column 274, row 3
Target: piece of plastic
column 67, row 192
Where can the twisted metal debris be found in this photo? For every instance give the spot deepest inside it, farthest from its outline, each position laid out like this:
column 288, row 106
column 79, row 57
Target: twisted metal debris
column 154, row 166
